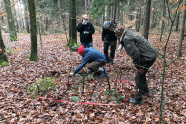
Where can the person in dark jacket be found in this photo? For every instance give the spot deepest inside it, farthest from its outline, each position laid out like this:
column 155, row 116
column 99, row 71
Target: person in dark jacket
column 143, row 56
column 109, row 39
column 93, row 57
column 86, row 30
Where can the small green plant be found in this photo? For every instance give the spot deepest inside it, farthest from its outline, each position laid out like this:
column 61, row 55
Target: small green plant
column 75, row 99
column 107, row 94
column 44, row 33
column 13, row 39
column 121, row 97
column 77, row 86
column 74, row 91
column 115, row 98
column 41, row 86
column 79, row 77
column 4, row 63
column 91, row 76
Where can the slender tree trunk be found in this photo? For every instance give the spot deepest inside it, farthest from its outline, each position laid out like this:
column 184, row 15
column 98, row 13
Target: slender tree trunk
column 42, row 31
column 3, row 57
column 164, row 65
column 138, row 16
column 11, row 24
column 103, row 14
column 146, row 20
column 119, row 15
column 153, row 15
column 33, row 30
column 182, row 31
column 130, row 17
column 109, row 11
column 86, row 6
column 177, row 21
column 72, row 24
column 115, row 9
column 26, row 17
column 106, row 12
column 163, row 21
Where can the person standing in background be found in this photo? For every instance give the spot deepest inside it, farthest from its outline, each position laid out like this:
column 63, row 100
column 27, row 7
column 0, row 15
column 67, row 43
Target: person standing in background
column 109, row 39
column 86, row 29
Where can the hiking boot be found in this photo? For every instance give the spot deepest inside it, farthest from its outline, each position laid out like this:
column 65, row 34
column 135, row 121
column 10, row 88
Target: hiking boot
column 107, row 59
column 146, row 92
column 111, row 61
column 134, row 101
column 102, row 73
column 145, row 89
column 137, row 99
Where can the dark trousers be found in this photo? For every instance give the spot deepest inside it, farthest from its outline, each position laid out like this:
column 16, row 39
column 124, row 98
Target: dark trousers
column 86, row 45
column 141, row 83
column 112, row 50
column 94, row 66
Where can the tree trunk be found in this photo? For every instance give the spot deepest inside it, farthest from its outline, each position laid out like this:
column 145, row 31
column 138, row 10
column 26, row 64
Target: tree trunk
column 177, row 21
column 146, row 20
column 138, row 16
column 33, row 30
column 109, row 11
column 26, row 17
column 153, row 15
column 115, row 9
column 103, row 16
column 72, row 24
column 86, row 6
column 182, row 31
column 11, row 24
column 3, row 57
column 42, row 31
column 46, row 23
column 163, row 22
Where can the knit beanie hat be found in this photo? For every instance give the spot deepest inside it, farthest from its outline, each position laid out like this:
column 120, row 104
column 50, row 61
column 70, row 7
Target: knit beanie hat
column 80, row 49
column 119, row 30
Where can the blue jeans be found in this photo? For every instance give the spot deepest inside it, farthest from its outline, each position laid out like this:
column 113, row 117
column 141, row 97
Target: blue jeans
column 89, row 44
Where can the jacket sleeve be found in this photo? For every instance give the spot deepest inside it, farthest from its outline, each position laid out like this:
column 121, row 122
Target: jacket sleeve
column 83, row 63
column 103, row 34
column 134, row 53
column 79, row 28
column 92, row 29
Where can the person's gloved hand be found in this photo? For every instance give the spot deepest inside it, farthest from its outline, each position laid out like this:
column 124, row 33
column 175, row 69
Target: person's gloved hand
column 71, row 73
column 86, row 33
column 120, row 47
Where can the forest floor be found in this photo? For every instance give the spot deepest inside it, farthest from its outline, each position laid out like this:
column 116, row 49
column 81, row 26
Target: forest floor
column 56, row 60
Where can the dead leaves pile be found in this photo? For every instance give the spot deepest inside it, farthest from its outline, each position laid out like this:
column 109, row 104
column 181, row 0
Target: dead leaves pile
column 55, row 60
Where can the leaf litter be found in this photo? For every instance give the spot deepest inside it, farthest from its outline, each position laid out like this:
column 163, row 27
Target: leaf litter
column 56, row 60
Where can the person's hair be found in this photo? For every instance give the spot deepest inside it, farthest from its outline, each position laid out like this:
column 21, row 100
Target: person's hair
column 85, row 17
column 119, row 30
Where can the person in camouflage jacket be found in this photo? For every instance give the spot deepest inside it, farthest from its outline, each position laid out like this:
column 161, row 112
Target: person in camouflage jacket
column 143, row 56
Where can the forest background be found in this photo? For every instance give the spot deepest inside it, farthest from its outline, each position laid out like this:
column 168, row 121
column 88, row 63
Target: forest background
column 37, row 40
